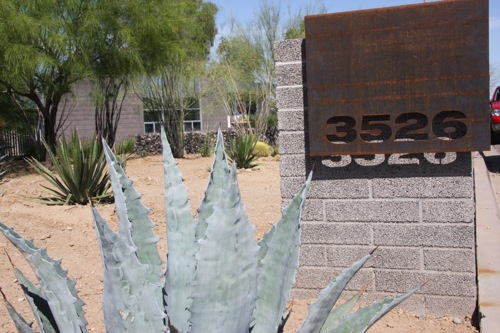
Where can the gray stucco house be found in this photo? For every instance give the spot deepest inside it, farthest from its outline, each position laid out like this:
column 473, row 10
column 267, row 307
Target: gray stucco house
column 207, row 113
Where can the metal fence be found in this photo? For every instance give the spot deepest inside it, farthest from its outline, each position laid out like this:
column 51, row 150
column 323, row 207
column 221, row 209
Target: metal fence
column 15, row 144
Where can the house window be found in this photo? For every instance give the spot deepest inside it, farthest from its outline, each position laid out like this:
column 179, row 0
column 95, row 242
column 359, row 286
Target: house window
column 192, row 120
column 152, row 122
column 192, row 117
column 192, row 114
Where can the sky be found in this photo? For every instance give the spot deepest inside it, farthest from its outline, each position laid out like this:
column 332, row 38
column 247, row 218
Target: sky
column 244, row 11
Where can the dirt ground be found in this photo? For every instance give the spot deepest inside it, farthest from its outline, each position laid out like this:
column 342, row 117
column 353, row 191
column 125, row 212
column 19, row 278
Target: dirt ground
column 68, row 234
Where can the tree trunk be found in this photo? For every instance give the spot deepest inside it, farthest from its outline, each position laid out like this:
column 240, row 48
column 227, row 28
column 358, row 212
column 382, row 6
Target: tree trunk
column 174, row 130
column 50, row 135
column 111, row 94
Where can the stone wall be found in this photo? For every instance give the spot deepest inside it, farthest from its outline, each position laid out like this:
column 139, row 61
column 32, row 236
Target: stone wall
column 150, row 144
column 418, row 209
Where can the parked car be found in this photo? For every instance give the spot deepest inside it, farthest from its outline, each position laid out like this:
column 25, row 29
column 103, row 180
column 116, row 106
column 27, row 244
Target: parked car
column 495, row 111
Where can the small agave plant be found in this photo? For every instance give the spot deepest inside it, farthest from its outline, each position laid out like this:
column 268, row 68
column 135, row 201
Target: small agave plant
column 218, row 278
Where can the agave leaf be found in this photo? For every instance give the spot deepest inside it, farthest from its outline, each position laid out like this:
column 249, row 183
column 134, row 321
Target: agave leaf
column 63, row 167
column 57, row 288
column 286, row 316
column 47, row 175
column 279, row 265
column 129, row 301
column 94, row 175
column 77, row 159
column 136, row 221
column 361, row 320
column 39, row 305
column 21, row 324
column 124, row 224
column 339, row 312
column 263, row 248
column 54, row 192
column 320, row 309
column 181, row 240
column 135, row 225
column 218, row 176
column 225, row 284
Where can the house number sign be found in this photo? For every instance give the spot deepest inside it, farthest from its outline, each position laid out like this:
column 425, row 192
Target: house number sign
column 405, row 79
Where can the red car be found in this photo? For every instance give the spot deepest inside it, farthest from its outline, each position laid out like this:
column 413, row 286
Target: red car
column 495, row 111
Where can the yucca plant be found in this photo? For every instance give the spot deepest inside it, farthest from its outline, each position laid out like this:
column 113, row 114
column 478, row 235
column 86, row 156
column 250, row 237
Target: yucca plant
column 241, row 151
column 80, row 174
column 218, row 278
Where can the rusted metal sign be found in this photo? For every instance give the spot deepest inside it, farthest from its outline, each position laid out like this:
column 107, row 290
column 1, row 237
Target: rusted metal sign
column 402, row 79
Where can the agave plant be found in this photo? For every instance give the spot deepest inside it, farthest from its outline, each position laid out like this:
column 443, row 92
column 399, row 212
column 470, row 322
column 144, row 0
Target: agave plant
column 80, row 173
column 218, row 278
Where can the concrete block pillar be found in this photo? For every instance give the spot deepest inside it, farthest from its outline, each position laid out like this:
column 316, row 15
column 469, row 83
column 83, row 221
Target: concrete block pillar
column 418, row 209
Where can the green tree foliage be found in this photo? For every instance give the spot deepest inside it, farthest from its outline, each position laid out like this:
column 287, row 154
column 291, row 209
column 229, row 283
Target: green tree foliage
column 246, row 59
column 246, row 56
column 47, row 46
column 172, row 88
column 128, row 39
column 42, row 54
column 295, row 25
column 17, row 114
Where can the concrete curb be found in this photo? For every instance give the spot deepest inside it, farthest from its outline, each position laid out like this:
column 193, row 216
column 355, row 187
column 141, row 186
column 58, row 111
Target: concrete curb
column 488, row 247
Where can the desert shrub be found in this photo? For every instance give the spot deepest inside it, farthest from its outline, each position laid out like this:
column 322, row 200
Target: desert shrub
column 272, row 120
column 124, row 149
column 261, row 149
column 241, row 151
column 218, row 278
column 276, row 151
column 80, row 175
column 207, row 145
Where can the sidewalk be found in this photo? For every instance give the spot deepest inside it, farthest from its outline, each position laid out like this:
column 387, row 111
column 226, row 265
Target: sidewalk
column 488, row 245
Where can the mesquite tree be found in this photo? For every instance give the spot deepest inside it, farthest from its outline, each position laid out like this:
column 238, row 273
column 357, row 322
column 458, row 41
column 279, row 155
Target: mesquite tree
column 42, row 54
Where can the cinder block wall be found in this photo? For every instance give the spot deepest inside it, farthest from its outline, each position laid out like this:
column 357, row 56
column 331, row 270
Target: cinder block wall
column 418, row 209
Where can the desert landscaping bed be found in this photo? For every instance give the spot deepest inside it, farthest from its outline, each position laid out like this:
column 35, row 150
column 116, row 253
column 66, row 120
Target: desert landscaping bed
column 68, row 234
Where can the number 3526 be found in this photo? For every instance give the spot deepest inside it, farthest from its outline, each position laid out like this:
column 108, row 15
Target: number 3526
column 414, row 126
